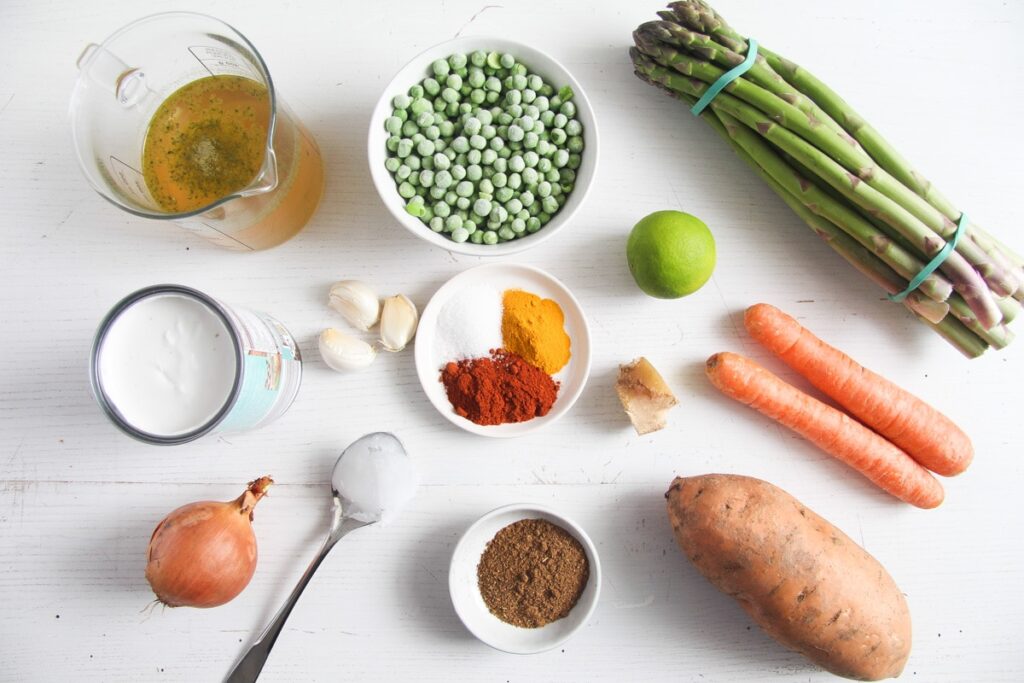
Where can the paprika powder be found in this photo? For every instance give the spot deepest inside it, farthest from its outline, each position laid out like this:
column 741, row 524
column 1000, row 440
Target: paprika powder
column 498, row 389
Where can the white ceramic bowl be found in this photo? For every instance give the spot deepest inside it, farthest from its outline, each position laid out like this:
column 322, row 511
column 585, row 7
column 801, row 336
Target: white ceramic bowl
column 502, row 276
column 415, row 71
column 470, row 606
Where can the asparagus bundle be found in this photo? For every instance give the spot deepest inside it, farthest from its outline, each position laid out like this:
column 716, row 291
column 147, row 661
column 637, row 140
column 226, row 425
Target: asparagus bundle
column 838, row 174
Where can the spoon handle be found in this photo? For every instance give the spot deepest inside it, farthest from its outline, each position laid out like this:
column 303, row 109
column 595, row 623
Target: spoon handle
column 248, row 668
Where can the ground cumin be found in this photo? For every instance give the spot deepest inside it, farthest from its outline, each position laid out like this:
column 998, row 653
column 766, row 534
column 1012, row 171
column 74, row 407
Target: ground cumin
column 532, row 573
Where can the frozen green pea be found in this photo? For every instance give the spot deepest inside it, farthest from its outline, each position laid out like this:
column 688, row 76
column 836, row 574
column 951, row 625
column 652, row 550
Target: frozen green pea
column 573, row 128
column 526, row 198
column 443, row 179
column 531, row 159
column 393, row 125
column 460, row 234
column 544, row 165
column 441, row 161
column 499, row 179
column 465, row 107
column 409, row 128
column 473, row 173
column 477, row 142
column 504, row 194
column 503, row 118
column 478, row 58
column 476, row 237
column 545, row 148
column 392, row 143
column 482, row 207
column 516, row 163
column 492, row 97
column 533, row 224
column 415, row 207
column 401, row 101
column 558, row 136
column 454, row 81
column 406, row 191
column 442, row 209
column 546, row 90
column 470, row 225
column 404, row 148
column 460, row 144
column 514, row 205
column 431, row 87
column 490, row 237
column 543, row 189
column 507, row 61
column 418, row 138
column 473, row 156
column 450, row 95
column 530, row 176
column 514, row 110
column 494, row 60
column 506, row 234
column 515, row 181
column 452, row 222
column 421, row 105
column 574, row 161
column 392, row 164
column 403, row 172
column 416, row 91
column 561, row 158
column 552, row 177
column 492, row 84
column 432, row 133
column 503, row 132
column 575, row 144
column 485, row 186
column 556, row 103
column 452, row 109
column 489, row 156
column 560, row 120
column 425, row 148
column 450, row 198
column 500, row 165
column 513, row 97
column 414, row 178
column 426, row 178
column 531, row 140
column 542, row 104
column 457, row 61
column 476, row 78
column 488, row 131
column 437, row 224
column 534, row 82
column 515, row 133
column 477, row 96
column 439, row 146
column 526, row 123
column 547, row 117
column 458, row 171
column 464, row 188
column 472, row 126
column 437, row 192
column 519, row 69
column 440, row 68
column 519, row 82
column 568, row 109
column 439, row 104
column 463, row 203
column 484, row 116
column 518, row 226
column 567, row 175
column 497, row 143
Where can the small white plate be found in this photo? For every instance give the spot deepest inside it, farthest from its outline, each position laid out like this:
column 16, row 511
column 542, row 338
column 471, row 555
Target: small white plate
column 503, row 276
column 470, row 606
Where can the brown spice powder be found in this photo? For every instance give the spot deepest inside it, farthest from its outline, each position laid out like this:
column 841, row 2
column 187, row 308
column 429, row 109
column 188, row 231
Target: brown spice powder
column 532, row 573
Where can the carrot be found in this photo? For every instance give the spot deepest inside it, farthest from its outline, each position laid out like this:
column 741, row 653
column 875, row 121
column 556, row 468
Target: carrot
column 924, row 433
column 829, row 429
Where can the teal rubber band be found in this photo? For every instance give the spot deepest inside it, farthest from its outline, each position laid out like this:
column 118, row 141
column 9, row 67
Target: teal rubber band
column 933, row 265
column 726, row 78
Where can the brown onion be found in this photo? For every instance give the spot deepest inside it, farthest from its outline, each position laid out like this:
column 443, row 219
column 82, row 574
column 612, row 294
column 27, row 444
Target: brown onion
column 204, row 554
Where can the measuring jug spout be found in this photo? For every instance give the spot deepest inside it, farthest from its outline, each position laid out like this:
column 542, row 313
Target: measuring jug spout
column 266, row 180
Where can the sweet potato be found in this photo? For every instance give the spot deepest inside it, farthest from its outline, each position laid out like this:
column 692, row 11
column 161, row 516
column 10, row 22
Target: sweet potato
column 800, row 578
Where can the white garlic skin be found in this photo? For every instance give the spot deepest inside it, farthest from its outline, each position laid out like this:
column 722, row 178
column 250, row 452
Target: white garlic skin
column 356, row 302
column 343, row 352
column 398, row 322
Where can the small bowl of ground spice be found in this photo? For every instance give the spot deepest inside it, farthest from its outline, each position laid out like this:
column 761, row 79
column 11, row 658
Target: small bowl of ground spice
column 524, row 578
column 503, row 349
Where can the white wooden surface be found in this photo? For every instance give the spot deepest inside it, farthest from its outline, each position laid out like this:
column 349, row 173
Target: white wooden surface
column 78, row 500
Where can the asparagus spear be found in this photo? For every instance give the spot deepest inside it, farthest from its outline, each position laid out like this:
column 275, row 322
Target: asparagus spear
column 964, row 278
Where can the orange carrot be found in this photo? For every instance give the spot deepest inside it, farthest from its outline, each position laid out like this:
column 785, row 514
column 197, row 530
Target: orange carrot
column 921, row 431
column 829, row 429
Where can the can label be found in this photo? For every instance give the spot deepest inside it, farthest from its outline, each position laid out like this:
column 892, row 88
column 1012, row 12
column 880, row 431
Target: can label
column 271, row 371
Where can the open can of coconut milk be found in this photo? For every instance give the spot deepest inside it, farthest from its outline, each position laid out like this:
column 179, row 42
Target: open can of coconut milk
column 170, row 364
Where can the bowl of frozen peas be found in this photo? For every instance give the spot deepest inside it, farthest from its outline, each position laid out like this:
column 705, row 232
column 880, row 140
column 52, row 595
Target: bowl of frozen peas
column 483, row 146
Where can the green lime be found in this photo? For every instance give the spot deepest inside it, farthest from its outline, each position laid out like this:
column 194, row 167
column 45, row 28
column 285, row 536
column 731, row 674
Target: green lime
column 670, row 254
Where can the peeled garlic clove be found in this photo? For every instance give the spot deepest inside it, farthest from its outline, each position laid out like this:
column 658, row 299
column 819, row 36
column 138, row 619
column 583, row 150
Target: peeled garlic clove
column 398, row 322
column 356, row 302
column 343, row 352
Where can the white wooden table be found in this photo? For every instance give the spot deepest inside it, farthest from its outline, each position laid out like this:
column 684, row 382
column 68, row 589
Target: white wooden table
column 78, row 500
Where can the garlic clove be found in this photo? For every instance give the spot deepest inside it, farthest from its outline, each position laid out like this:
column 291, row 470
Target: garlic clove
column 398, row 322
column 356, row 302
column 343, row 352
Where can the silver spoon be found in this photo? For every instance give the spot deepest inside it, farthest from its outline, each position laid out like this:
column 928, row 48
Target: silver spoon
column 347, row 507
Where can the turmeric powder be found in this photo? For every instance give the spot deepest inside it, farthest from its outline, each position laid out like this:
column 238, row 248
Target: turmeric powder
column 532, row 327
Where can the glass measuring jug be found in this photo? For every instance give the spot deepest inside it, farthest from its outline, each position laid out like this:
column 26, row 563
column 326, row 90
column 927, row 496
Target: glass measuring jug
column 206, row 86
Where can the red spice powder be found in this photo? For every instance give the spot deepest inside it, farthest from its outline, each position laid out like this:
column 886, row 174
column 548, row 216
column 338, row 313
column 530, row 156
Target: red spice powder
column 498, row 389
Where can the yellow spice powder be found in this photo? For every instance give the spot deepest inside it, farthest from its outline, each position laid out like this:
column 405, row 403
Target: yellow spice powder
column 533, row 328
